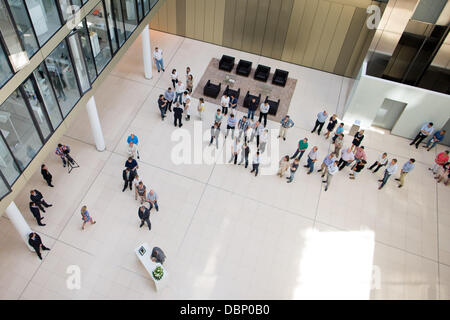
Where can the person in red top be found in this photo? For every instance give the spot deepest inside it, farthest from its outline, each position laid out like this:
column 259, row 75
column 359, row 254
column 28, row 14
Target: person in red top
column 441, row 159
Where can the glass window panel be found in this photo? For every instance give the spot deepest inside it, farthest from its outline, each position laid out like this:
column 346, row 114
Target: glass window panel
column 99, row 36
column 140, row 12
column 4, row 190
column 119, row 21
column 19, row 130
column 7, row 164
column 45, row 19
column 47, row 95
column 23, row 24
column 5, row 70
column 63, row 78
column 84, row 1
column 78, row 60
column 146, row 6
column 129, row 15
column 37, row 108
column 152, row 3
column 112, row 32
column 17, row 55
column 87, row 52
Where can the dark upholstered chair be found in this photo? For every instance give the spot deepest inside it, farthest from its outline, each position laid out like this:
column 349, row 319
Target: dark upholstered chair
column 231, row 92
column 212, row 90
column 226, row 63
column 262, row 73
column 280, row 77
column 244, row 68
column 273, row 106
column 249, row 97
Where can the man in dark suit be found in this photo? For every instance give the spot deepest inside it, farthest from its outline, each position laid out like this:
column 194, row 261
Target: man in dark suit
column 35, row 241
column 38, row 199
column 46, row 175
column 128, row 177
column 144, row 215
column 36, row 213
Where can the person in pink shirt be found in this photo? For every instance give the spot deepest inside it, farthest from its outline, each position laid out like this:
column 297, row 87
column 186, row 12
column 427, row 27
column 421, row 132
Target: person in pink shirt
column 441, row 159
column 360, row 154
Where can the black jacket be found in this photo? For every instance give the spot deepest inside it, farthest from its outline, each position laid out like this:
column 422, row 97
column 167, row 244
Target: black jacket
column 130, row 176
column 178, row 111
column 253, row 105
column 158, row 254
column 35, row 211
column 143, row 215
column 37, row 198
column 36, row 242
column 47, row 175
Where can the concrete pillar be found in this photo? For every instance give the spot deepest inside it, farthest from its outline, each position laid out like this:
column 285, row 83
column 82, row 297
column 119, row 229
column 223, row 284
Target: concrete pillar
column 95, row 124
column 19, row 222
column 147, row 53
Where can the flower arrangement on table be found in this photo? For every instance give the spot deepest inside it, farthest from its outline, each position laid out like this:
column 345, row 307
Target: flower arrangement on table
column 158, row 273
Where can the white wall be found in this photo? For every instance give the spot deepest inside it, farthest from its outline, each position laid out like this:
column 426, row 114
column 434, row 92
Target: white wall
column 421, row 105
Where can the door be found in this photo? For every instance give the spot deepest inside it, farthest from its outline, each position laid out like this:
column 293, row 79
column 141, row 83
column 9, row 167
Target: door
column 388, row 114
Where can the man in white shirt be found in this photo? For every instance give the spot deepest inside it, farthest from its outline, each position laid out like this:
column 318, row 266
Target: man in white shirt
column 425, row 131
column 255, row 163
column 132, row 150
column 381, row 161
column 234, row 150
column 390, row 170
column 225, row 103
column 263, row 111
column 258, row 129
column 158, row 56
column 263, row 140
column 179, row 91
column 332, row 170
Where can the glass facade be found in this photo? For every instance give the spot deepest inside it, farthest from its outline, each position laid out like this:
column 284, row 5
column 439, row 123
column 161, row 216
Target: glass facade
column 30, row 115
column 37, row 108
column 129, row 16
column 23, row 24
column 63, row 78
column 98, row 34
column 45, row 18
column 5, row 70
column 18, row 129
column 47, row 95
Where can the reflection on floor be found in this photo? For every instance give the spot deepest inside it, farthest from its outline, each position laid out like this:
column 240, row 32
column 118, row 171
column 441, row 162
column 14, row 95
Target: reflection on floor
column 226, row 233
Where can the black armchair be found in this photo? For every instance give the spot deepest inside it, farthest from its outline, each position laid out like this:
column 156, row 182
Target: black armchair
column 231, row 92
column 262, row 73
column 249, row 97
column 280, row 77
column 244, row 68
column 273, row 106
column 226, row 63
column 212, row 90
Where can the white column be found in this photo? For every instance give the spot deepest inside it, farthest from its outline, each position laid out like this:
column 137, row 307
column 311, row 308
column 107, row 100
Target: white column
column 19, row 222
column 147, row 53
column 95, row 124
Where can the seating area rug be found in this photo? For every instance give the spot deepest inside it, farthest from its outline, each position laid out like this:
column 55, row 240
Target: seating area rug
column 255, row 87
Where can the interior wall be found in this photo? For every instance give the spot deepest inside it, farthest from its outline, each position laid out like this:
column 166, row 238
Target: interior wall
column 329, row 35
column 422, row 105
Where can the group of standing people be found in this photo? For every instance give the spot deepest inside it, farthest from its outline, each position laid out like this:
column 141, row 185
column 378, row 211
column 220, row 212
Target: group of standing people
column 131, row 178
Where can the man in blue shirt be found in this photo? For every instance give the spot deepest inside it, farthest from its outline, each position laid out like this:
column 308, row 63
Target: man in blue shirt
column 231, row 124
column 321, row 117
column 407, row 167
column 286, row 123
column 169, row 95
column 425, row 131
column 390, row 170
column 339, row 132
column 437, row 137
column 135, row 140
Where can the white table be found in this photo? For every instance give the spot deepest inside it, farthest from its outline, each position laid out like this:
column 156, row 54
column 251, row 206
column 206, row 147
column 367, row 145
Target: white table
column 149, row 265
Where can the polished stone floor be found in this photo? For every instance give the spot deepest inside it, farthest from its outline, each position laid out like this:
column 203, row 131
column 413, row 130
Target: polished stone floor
column 227, row 234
